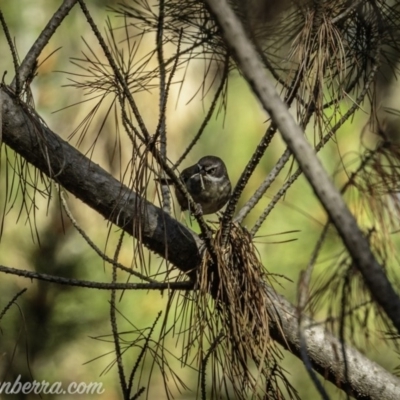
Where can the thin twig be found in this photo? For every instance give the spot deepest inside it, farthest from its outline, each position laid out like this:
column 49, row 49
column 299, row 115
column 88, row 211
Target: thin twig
column 29, row 62
column 142, row 353
column 93, row 246
column 1, row 119
column 11, row 302
column 162, row 128
column 203, row 374
column 320, row 145
column 279, row 165
column 302, row 301
column 97, row 285
column 350, row 7
column 209, row 114
column 251, row 165
column 306, row 277
column 14, row 55
column 114, row 326
column 244, row 178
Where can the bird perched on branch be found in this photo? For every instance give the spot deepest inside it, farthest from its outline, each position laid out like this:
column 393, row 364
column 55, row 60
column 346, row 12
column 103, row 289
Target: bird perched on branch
column 208, row 183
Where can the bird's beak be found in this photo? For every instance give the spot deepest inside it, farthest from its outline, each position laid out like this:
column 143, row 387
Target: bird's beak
column 201, row 170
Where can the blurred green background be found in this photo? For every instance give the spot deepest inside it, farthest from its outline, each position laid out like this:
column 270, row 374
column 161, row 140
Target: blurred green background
column 59, row 333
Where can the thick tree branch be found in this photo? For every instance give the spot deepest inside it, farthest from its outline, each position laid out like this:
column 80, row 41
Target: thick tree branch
column 162, row 234
column 345, row 223
column 23, row 132
column 367, row 380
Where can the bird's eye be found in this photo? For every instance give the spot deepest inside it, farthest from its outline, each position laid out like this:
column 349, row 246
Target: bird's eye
column 211, row 170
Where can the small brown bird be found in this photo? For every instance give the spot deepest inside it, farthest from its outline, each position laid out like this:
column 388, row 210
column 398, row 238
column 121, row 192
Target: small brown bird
column 208, row 183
